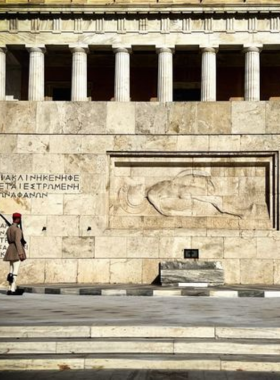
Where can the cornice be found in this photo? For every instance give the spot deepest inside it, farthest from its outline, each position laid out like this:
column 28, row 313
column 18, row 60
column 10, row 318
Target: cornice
column 133, row 8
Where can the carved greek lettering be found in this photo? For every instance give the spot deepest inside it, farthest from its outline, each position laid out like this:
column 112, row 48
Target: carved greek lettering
column 37, row 185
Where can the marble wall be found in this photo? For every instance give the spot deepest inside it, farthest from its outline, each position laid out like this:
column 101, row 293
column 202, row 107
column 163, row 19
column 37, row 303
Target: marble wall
column 108, row 190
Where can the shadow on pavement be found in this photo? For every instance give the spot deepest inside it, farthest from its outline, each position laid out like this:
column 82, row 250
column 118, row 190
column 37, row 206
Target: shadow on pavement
column 135, row 375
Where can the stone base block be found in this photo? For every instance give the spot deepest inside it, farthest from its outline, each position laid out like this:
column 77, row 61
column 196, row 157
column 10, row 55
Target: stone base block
column 176, row 272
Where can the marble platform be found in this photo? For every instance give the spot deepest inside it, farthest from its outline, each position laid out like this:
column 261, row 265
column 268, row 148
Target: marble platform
column 184, row 272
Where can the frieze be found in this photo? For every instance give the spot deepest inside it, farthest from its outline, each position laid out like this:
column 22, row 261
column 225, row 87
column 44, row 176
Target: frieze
column 126, row 24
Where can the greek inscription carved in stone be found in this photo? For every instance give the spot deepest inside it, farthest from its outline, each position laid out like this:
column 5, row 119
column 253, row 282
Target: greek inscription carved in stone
column 3, row 239
column 37, row 185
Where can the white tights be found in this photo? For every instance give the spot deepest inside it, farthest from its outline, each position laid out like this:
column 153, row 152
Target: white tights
column 14, row 268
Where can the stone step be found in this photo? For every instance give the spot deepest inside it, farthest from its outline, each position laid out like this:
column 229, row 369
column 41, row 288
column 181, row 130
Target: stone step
column 139, row 346
column 154, row 362
column 227, row 347
column 138, row 331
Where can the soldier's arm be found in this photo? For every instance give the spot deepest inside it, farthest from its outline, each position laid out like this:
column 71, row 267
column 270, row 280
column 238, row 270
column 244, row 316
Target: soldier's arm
column 18, row 242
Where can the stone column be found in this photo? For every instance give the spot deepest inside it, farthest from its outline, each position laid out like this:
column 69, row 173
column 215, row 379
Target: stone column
column 122, row 75
column 79, row 74
column 2, row 73
column 208, row 74
column 252, row 74
column 36, row 85
column 165, row 75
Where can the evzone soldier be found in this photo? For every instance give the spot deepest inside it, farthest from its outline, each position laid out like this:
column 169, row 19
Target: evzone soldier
column 15, row 253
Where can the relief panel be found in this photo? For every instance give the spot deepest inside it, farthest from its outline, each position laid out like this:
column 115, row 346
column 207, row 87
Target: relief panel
column 174, row 192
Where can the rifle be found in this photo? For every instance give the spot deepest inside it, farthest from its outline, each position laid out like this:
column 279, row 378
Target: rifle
column 23, row 241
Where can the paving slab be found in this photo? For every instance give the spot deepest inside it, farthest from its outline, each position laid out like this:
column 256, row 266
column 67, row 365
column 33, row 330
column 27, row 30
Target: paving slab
column 134, row 345
column 137, row 362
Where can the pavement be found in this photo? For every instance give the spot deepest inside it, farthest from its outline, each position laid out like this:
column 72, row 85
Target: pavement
column 39, row 309
column 33, row 309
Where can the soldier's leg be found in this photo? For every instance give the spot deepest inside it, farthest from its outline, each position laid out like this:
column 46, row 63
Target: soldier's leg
column 10, row 277
column 16, row 265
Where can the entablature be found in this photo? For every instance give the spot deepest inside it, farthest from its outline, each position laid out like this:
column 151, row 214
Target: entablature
column 122, row 7
column 229, row 24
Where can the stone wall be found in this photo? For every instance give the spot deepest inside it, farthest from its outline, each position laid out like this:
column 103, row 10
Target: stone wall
column 108, row 190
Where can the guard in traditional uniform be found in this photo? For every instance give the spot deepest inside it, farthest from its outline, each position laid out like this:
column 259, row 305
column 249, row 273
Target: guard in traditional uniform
column 15, row 253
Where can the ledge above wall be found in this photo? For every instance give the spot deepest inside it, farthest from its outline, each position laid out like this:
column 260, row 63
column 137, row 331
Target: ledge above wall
column 140, row 118
column 150, row 6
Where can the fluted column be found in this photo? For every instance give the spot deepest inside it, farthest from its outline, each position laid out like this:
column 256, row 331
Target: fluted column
column 3, row 73
column 122, row 75
column 165, row 74
column 208, row 74
column 252, row 74
column 79, row 74
column 36, row 85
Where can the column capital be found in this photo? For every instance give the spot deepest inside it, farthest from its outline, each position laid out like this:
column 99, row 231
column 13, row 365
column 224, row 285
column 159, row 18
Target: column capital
column 252, row 49
column 36, row 49
column 79, row 49
column 3, row 49
column 122, row 49
column 209, row 49
column 165, row 49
